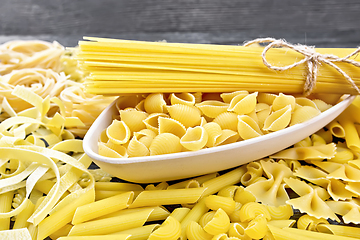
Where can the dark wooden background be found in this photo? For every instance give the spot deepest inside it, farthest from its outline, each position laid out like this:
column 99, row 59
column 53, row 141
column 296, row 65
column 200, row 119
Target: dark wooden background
column 323, row 23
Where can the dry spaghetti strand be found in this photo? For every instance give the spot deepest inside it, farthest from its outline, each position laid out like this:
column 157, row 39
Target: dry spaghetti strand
column 125, row 66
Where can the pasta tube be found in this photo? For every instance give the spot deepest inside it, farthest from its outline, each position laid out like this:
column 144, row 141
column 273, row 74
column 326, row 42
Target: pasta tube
column 5, row 207
column 304, row 234
column 111, row 225
column 100, row 237
column 339, row 230
column 22, row 217
column 99, row 208
column 214, row 185
column 167, row 197
column 60, row 218
column 139, row 233
column 194, row 215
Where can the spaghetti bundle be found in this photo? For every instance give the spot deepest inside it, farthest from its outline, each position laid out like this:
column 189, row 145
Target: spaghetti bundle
column 126, row 66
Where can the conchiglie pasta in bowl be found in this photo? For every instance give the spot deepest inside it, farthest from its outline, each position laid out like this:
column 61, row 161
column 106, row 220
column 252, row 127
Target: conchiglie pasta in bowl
column 161, row 137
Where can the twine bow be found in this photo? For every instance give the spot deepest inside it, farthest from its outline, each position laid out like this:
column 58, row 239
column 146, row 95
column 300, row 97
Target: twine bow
column 312, row 60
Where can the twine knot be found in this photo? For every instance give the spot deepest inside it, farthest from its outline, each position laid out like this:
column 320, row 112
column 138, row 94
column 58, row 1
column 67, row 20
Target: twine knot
column 312, row 60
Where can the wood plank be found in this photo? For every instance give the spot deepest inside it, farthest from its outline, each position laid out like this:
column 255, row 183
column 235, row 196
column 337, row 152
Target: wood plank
column 321, row 23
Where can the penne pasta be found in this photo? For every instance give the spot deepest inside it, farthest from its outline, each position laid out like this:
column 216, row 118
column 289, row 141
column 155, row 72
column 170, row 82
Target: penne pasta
column 102, row 207
column 139, row 233
column 111, row 225
column 195, row 214
column 110, row 237
column 167, row 197
column 214, row 185
column 5, row 207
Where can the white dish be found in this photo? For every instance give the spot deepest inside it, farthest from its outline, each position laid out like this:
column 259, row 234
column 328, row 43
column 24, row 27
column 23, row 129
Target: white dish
column 188, row 164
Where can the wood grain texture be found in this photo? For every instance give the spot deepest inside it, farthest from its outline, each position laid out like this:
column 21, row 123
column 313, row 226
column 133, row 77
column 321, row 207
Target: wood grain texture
column 322, row 23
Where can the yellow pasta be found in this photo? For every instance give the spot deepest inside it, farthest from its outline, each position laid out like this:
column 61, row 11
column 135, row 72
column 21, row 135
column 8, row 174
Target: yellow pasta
column 282, row 212
column 227, row 120
column 139, row 233
column 180, row 213
column 243, row 196
column 5, row 207
column 166, row 197
column 145, row 136
column 113, row 150
column 303, row 234
column 29, row 54
column 346, row 231
column 195, row 214
column 182, row 98
column 238, row 230
column 110, row 225
column 310, row 223
column 152, row 121
column 189, row 116
column 169, row 125
column 212, row 108
column 247, row 127
column 133, row 118
column 165, row 143
column 155, row 103
column 60, row 218
column 278, row 120
column 228, row 191
column 307, row 153
column 206, row 217
column 228, row 96
column 220, row 223
column 214, row 202
column 99, row 237
column 235, row 216
column 194, row 232
column 257, row 227
column 22, row 233
column 351, row 135
column 22, row 217
column 136, row 148
column 348, row 210
column 215, row 184
column 227, row 136
column 169, row 229
column 194, row 138
column 118, row 132
column 158, row 213
column 281, row 101
column 343, row 155
column 309, row 201
column 102, row 207
column 199, row 180
column 303, row 114
column 64, row 231
column 251, row 210
column 243, row 103
column 214, row 131
column 272, row 190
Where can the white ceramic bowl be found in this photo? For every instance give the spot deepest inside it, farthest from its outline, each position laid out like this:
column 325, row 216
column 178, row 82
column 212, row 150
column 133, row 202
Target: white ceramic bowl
column 188, row 164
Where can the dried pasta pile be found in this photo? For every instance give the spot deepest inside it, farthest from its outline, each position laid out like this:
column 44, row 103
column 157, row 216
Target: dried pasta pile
column 123, row 66
column 160, row 123
column 308, row 191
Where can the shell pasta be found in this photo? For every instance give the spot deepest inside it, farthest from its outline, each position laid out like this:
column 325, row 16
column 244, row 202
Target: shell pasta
column 186, row 122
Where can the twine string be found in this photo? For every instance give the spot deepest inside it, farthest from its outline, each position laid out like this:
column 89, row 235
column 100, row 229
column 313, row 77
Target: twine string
column 312, row 61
